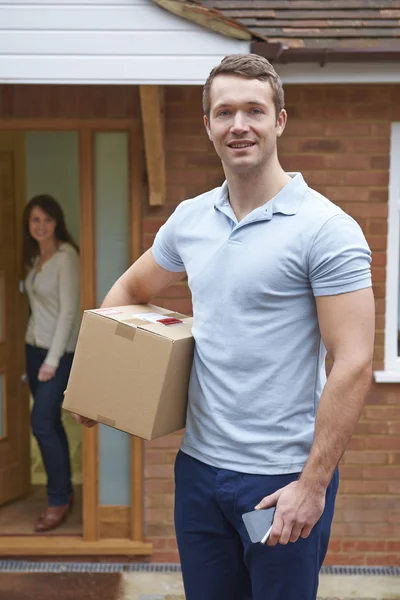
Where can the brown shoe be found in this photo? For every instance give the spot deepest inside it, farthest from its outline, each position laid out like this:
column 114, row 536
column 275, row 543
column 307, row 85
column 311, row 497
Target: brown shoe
column 52, row 517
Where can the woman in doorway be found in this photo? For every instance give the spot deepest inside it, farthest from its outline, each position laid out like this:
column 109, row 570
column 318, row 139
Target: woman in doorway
column 52, row 284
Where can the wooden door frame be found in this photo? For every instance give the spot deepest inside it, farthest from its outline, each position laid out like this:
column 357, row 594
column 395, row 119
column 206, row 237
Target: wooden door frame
column 90, row 542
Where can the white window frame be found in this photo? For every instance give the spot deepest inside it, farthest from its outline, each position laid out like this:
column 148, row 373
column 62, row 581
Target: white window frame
column 391, row 373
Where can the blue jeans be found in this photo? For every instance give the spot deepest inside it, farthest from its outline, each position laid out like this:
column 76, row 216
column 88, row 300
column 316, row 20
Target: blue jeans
column 218, row 560
column 46, row 423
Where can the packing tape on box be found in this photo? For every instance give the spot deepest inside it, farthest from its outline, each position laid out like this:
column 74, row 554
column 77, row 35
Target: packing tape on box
column 129, row 332
column 126, row 332
column 105, row 421
column 169, row 315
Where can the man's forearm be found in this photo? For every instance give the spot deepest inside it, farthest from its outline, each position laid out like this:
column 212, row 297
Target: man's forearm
column 119, row 295
column 337, row 415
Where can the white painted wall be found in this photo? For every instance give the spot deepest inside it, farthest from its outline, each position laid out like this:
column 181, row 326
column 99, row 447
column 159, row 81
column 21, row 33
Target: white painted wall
column 105, row 41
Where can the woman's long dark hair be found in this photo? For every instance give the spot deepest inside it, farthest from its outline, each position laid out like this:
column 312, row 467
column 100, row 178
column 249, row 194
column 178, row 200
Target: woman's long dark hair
column 51, row 207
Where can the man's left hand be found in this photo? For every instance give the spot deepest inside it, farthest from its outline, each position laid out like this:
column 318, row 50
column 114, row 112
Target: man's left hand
column 298, row 508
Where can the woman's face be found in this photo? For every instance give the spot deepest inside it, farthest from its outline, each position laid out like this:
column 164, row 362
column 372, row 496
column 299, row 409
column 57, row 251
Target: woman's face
column 41, row 226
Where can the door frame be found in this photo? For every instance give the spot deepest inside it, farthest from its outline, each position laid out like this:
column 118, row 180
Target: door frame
column 90, row 543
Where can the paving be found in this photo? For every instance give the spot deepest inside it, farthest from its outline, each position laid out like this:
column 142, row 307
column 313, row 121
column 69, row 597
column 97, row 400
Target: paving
column 167, row 586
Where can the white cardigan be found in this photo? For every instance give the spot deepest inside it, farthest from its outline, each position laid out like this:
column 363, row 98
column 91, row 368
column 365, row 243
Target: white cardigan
column 54, row 298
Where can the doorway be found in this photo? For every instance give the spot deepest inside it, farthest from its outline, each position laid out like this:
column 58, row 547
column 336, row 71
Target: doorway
column 49, row 165
column 110, row 194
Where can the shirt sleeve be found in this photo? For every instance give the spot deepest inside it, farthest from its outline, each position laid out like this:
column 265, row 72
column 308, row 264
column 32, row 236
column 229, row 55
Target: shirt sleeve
column 164, row 248
column 69, row 294
column 339, row 259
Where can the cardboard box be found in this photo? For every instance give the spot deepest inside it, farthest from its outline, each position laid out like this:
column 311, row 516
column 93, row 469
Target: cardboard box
column 131, row 369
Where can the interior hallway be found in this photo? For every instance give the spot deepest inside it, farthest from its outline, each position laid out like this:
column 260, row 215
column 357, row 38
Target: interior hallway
column 19, row 516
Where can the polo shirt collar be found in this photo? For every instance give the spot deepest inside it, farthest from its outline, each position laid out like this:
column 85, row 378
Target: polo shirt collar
column 286, row 202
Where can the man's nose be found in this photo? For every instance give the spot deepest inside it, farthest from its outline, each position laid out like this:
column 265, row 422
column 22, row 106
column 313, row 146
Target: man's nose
column 240, row 123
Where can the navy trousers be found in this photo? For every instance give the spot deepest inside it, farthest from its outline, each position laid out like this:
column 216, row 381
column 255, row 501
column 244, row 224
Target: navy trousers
column 218, row 560
column 46, row 423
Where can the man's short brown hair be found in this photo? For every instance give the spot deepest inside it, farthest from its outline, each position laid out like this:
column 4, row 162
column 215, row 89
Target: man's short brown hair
column 251, row 66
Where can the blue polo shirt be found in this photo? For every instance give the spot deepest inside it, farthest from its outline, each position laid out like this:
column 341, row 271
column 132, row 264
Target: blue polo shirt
column 258, row 369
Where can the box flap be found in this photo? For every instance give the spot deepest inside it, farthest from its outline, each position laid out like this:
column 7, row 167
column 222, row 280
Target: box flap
column 123, row 313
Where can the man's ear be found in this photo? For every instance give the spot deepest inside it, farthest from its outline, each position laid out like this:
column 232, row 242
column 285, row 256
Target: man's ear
column 207, row 126
column 281, row 123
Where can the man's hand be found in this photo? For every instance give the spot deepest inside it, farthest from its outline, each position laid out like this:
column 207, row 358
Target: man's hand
column 46, row 372
column 298, row 508
column 84, row 420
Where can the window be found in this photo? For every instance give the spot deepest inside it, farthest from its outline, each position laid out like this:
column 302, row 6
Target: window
column 391, row 371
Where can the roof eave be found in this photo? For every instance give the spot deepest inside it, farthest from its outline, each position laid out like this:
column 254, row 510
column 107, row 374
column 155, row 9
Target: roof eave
column 279, row 52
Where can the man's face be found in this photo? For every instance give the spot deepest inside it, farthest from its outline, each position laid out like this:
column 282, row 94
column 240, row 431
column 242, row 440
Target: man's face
column 242, row 124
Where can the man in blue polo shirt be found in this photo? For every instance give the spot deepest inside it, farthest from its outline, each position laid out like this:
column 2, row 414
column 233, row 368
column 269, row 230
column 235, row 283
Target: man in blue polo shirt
column 278, row 274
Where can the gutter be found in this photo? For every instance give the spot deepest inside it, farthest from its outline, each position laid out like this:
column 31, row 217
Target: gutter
column 280, row 53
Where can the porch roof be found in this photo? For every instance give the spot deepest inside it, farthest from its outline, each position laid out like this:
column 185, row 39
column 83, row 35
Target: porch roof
column 318, row 23
column 307, row 30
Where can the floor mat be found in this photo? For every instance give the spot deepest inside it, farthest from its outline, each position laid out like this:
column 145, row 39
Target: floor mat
column 60, row 586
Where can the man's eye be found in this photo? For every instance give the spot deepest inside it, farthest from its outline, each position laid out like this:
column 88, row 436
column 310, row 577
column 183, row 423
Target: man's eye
column 223, row 113
column 256, row 111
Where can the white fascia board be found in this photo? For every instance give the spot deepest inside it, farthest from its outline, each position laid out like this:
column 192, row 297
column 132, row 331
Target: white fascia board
column 129, row 70
column 176, row 69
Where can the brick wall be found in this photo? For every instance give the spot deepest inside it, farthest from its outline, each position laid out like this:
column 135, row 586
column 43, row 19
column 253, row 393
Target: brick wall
column 339, row 138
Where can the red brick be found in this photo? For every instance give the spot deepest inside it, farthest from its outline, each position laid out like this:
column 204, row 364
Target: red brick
column 383, row 472
column 160, row 457
column 303, row 162
column 164, row 516
column 347, row 129
column 363, row 546
column 383, row 559
column 384, row 531
column 366, row 210
column 159, row 530
column 166, row 557
column 374, row 178
column 159, row 486
column 356, row 443
column 377, row 243
column 371, row 111
column 393, row 546
column 364, row 487
column 364, row 458
column 343, row 530
column 385, row 413
column 382, row 443
column 394, row 487
column 303, row 129
column 371, row 428
column 373, row 147
column 349, row 558
column 159, row 471
column 348, row 194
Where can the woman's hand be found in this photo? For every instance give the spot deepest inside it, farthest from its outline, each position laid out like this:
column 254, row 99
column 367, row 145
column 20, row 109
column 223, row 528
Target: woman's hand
column 46, row 372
